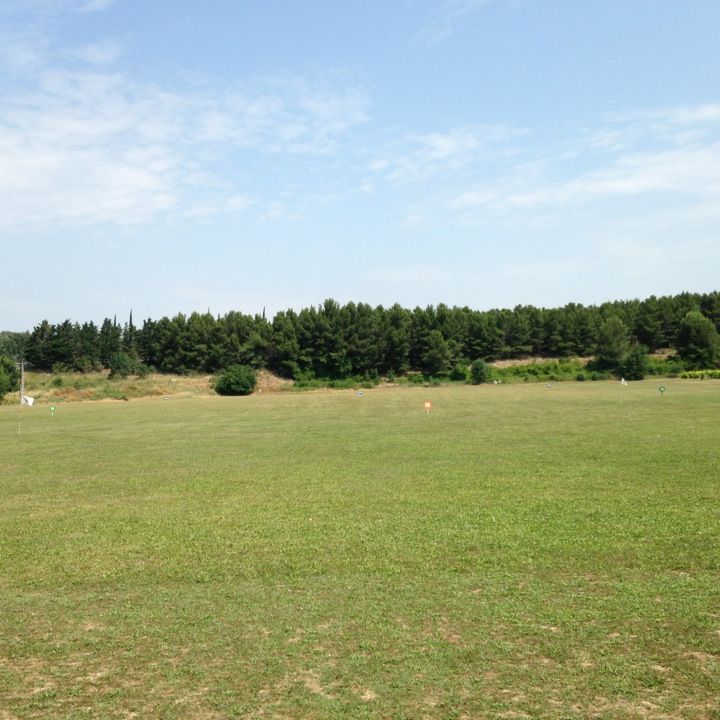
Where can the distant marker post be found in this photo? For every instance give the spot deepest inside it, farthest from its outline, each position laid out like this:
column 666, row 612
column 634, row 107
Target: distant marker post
column 662, row 390
column 52, row 411
column 428, row 406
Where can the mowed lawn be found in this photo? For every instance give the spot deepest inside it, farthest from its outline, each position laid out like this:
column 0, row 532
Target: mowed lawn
column 521, row 552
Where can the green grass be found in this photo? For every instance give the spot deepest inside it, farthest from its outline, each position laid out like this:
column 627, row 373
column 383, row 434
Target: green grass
column 520, row 552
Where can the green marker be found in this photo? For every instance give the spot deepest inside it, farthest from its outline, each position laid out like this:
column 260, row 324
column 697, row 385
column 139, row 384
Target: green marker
column 662, row 389
column 52, row 411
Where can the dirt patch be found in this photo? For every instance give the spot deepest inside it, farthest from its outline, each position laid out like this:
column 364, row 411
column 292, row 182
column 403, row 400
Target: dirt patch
column 311, row 681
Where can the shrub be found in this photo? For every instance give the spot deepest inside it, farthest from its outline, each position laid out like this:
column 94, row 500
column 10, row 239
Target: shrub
column 670, row 367
column 9, row 376
column 236, row 380
column 459, row 372
column 121, row 365
column 580, row 377
column 479, row 372
column 711, row 374
column 634, row 364
column 86, row 364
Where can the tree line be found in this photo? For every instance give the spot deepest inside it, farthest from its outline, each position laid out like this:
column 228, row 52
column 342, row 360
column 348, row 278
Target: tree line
column 340, row 341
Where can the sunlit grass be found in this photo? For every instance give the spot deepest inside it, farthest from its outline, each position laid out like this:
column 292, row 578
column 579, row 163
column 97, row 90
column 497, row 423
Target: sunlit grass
column 522, row 551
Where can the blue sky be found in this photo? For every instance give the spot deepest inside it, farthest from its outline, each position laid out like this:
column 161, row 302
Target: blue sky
column 172, row 156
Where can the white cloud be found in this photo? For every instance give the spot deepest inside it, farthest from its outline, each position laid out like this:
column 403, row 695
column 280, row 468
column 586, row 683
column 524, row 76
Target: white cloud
column 282, row 114
column 22, row 51
column 693, row 172
column 102, row 53
column 418, row 157
column 95, row 5
column 82, row 147
column 447, row 16
column 667, row 152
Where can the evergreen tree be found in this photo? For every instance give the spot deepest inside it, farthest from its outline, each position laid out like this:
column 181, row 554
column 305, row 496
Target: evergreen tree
column 9, row 376
column 129, row 338
column 109, row 340
column 698, row 343
column 436, row 358
column 284, row 347
column 397, row 339
column 37, row 352
column 648, row 328
column 634, row 363
column 613, row 342
column 88, row 353
column 14, row 344
column 518, row 334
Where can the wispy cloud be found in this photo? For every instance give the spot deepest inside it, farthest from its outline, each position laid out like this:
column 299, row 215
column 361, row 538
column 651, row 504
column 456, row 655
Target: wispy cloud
column 22, row 50
column 95, row 5
column 283, row 114
column 82, row 147
column 688, row 171
column 671, row 151
column 448, row 15
column 100, row 54
column 419, row 156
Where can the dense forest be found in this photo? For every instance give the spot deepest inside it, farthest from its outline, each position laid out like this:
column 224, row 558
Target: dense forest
column 337, row 341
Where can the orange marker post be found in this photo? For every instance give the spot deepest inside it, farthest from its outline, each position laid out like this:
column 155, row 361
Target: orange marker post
column 428, row 405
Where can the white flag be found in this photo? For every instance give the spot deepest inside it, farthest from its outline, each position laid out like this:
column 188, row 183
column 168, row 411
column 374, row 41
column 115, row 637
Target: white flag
column 26, row 400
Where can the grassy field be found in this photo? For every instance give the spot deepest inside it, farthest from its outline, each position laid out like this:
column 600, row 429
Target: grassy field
column 521, row 552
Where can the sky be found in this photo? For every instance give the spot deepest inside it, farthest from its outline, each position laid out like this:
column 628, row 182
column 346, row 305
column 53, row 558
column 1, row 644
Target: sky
column 176, row 156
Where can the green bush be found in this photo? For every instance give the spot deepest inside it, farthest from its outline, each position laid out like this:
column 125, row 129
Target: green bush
column 711, row 374
column 634, row 364
column 459, row 372
column 121, row 365
column 546, row 371
column 670, row 367
column 9, row 376
column 479, row 372
column 698, row 342
column 86, row 365
column 236, row 380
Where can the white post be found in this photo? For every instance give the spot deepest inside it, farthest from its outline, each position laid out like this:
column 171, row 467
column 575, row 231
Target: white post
column 22, row 392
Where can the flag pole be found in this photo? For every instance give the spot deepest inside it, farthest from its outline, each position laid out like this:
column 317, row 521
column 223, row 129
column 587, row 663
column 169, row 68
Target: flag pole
column 22, row 392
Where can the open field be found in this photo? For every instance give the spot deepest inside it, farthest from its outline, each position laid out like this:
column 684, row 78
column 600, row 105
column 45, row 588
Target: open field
column 521, row 552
